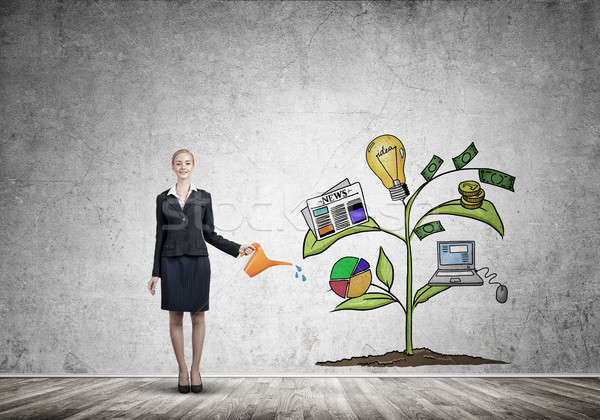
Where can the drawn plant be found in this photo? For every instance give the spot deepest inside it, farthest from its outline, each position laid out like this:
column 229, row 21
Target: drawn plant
column 486, row 213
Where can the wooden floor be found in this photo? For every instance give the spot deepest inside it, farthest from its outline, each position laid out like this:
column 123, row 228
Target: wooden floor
column 297, row 398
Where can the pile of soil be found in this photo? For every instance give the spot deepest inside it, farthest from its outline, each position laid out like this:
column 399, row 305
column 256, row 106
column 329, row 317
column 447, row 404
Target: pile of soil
column 421, row 357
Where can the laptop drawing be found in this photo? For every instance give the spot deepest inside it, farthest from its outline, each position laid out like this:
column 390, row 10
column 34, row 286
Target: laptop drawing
column 456, row 264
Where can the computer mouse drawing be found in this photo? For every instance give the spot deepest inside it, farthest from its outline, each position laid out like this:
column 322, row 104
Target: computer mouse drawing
column 501, row 293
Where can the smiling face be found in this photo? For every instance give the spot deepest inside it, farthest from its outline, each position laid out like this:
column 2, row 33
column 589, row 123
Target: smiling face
column 183, row 165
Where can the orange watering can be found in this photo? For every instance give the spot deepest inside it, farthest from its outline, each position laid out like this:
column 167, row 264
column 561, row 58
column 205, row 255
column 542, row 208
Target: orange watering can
column 259, row 262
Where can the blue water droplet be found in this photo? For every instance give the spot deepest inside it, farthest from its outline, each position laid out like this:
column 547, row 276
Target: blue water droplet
column 298, row 268
column 303, row 277
column 296, row 275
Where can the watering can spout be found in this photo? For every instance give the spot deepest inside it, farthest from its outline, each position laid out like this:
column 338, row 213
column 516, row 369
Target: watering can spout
column 273, row 262
column 259, row 262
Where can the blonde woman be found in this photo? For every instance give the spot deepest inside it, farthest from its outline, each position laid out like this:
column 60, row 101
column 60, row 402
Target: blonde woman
column 184, row 223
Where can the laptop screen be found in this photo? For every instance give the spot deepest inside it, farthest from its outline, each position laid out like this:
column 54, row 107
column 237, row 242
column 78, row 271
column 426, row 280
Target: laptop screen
column 456, row 253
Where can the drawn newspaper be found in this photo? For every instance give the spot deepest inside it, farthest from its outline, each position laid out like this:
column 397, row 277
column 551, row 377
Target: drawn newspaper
column 336, row 210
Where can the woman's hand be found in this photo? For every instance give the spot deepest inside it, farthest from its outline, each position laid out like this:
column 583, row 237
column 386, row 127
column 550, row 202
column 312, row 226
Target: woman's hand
column 152, row 284
column 247, row 249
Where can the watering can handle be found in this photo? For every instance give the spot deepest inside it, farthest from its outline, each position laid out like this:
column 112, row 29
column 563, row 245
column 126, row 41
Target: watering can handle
column 256, row 246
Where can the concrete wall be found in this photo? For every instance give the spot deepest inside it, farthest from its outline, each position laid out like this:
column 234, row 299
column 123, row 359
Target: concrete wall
column 278, row 101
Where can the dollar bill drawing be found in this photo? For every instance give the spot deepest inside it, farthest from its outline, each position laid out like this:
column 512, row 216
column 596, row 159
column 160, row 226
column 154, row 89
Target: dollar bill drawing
column 429, row 228
column 497, row 178
column 432, row 167
column 465, row 157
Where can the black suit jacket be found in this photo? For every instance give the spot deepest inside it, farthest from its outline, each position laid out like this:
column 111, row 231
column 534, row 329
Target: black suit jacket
column 186, row 231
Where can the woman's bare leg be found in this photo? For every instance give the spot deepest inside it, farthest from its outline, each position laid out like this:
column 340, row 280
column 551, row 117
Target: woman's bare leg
column 176, row 330
column 198, row 332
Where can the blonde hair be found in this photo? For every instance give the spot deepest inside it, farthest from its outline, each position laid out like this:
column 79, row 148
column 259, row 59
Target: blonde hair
column 179, row 152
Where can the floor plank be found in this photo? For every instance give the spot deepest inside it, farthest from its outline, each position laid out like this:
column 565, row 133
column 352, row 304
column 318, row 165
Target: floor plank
column 330, row 398
column 591, row 383
column 560, row 406
column 301, row 398
column 359, row 401
column 215, row 395
column 476, row 391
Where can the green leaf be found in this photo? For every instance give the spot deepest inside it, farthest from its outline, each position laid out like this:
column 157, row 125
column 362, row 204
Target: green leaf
column 365, row 302
column 385, row 269
column 313, row 247
column 486, row 213
column 426, row 292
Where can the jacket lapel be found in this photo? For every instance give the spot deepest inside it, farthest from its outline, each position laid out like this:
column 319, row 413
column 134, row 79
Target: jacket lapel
column 174, row 203
column 191, row 199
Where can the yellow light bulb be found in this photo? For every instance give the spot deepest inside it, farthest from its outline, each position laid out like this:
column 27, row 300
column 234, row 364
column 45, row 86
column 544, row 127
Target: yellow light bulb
column 385, row 156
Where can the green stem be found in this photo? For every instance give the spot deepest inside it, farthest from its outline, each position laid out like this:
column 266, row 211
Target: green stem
column 409, row 309
column 392, row 233
column 408, row 234
column 392, row 295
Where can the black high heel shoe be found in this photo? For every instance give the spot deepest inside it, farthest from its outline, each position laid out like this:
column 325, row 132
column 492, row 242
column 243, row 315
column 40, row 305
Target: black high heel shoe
column 196, row 388
column 184, row 389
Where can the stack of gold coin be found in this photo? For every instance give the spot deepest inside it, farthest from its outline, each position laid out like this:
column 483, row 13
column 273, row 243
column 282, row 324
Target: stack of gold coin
column 472, row 194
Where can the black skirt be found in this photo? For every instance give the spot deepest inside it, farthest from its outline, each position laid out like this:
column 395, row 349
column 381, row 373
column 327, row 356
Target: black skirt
column 185, row 283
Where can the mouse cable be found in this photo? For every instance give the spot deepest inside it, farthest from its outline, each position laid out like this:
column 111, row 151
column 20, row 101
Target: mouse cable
column 489, row 277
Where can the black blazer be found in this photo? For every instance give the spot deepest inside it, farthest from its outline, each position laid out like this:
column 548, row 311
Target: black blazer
column 186, row 231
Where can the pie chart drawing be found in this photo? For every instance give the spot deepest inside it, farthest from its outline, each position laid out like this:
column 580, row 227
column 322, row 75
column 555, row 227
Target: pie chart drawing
column 350, row 277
